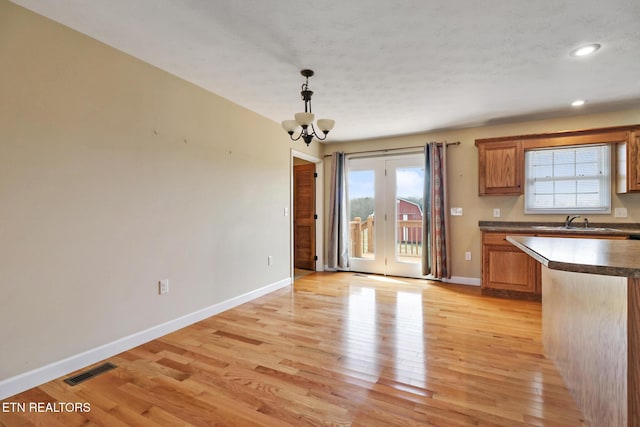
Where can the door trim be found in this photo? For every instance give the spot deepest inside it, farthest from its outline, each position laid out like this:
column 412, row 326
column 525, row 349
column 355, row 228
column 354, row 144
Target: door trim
column 319, row 208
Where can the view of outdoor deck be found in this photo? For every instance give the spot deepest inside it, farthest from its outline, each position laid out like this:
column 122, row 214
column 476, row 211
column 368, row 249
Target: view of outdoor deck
column 408, row 238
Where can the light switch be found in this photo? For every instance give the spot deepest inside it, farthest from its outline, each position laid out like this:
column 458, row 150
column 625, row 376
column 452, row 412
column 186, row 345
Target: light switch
column 163, row 286
column 456, row 211
column 620, row 212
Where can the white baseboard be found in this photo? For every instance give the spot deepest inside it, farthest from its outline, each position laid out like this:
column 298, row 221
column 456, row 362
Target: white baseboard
column 460, row 280
column 27, row 380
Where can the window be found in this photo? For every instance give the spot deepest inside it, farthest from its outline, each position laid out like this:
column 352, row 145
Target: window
column 573, row 179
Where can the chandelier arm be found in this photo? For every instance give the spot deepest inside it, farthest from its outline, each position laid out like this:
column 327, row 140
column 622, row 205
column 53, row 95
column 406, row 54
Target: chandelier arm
column 316, row 134
column 296, row 138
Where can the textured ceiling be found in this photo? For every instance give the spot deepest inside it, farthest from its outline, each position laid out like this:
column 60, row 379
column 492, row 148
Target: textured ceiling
column 383, row 67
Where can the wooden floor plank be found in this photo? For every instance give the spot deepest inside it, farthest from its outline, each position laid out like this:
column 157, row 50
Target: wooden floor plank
column 337, row 349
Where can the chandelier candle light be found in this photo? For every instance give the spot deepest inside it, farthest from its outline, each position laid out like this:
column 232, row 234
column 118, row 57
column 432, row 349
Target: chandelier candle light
column 305, row 119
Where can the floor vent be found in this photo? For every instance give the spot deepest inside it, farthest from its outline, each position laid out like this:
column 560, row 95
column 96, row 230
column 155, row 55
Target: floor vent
column 360, row 275
column 77, row 379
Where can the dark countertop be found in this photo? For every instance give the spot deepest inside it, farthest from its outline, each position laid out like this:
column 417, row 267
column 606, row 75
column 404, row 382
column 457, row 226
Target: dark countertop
column 596, row 228
column 595, row 256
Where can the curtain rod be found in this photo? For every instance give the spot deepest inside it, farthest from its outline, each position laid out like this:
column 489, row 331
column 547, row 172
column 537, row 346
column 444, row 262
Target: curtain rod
column 385, row 150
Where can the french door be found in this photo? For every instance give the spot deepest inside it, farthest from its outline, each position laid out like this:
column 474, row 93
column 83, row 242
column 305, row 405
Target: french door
column 385, row 208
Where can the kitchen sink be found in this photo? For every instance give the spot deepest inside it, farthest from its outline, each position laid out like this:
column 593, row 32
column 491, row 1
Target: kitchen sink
column 549, row 227
column 564, row 228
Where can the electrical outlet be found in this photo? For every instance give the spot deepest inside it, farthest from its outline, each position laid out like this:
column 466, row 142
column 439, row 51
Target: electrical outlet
column 467, row 256
column 163, row 286
column 456, row 211
column 496, row 213
column 620, row 212
column 269, row 260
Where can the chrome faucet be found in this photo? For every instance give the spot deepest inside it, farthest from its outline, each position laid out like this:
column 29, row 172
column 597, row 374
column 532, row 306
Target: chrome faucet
column 569, row 220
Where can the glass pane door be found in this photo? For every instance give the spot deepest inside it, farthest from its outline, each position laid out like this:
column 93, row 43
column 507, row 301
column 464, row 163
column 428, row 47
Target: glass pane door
column 405, row 200
column 364, row 184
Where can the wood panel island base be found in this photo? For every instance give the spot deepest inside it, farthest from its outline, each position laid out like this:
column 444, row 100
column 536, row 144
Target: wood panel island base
column 591, row 322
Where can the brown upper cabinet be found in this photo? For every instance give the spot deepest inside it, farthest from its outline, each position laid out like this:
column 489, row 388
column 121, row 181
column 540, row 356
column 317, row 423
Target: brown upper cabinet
column 501, row 167
column 628, row 163
column 501, row 159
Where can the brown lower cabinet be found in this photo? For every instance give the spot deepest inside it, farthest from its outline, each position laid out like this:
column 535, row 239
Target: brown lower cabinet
column 506, row 270
column 509, row 272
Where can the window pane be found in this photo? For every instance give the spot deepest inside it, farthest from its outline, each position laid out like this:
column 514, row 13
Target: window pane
column 588, row 186
column 586, row 156
column 586, row 200
column 565, row 200
column 409, row 212
column 543, row 187
column 587, row 169
column 544, row 201
column 542, row 157
column 542, row 171
column 564, row 156
column 361, row 186
column 565, row 187
column 563, row 169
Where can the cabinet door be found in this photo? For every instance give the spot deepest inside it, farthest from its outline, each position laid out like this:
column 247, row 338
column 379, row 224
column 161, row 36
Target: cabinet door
column 500, row 167
column 633, row 159
column 508, row 268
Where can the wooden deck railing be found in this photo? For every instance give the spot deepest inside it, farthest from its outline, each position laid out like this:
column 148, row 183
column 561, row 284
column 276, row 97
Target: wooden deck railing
column 361, row 236
column 409, row 237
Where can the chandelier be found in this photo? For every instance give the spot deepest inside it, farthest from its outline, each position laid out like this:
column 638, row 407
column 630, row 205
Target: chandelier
column 305, row 119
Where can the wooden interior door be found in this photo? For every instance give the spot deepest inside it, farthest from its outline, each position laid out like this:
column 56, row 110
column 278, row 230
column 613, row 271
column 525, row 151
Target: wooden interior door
column 304, row 216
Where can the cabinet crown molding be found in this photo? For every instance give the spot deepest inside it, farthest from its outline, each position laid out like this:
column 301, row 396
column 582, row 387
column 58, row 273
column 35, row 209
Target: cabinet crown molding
column 608, row 132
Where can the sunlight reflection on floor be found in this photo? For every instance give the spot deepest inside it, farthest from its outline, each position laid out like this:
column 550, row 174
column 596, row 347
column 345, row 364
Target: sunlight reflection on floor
column 385, row 279
column 364, row 323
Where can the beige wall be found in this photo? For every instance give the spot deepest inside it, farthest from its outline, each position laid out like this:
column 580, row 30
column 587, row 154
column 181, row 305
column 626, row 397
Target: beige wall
column 463, row 179
column 114, row 175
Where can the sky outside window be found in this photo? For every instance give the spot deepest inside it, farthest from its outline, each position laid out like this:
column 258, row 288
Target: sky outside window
column 410, row 182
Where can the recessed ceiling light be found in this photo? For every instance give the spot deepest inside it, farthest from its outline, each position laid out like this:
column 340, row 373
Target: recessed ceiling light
column 586, row 50
column 578, row 103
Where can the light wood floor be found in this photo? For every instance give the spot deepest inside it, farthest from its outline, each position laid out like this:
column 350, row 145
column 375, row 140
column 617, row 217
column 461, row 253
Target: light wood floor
column 339, row 350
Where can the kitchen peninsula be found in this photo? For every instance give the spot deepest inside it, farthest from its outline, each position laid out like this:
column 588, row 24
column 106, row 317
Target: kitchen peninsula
column 591, row 321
